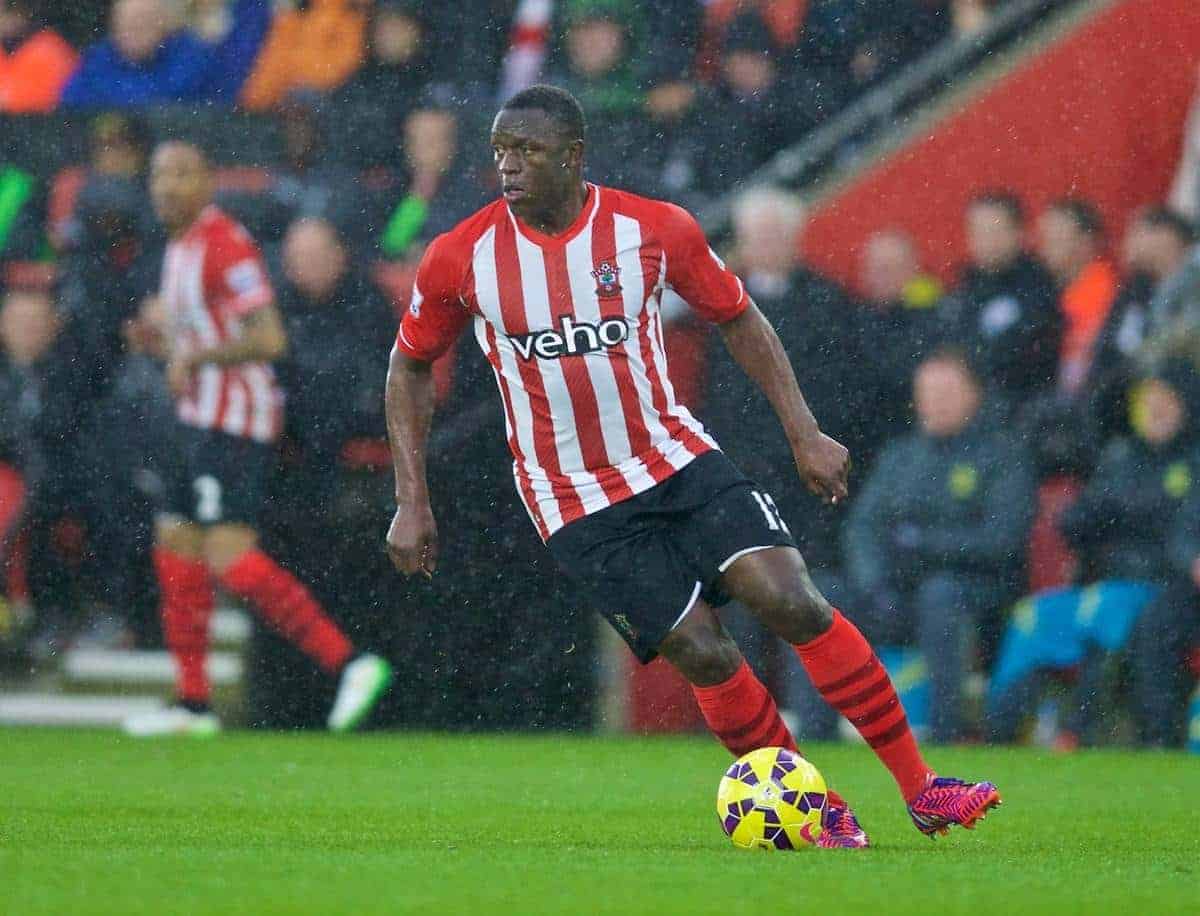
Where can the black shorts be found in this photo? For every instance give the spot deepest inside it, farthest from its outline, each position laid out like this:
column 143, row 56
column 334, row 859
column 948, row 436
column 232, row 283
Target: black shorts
column 213, row 478
column 644, row 562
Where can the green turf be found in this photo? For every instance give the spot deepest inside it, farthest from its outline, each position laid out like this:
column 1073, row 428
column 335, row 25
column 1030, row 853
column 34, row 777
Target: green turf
column 260, row 824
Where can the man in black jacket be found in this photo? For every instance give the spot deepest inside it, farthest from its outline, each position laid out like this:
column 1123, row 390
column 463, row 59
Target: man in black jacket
column 936, row 539
column 1004, row 310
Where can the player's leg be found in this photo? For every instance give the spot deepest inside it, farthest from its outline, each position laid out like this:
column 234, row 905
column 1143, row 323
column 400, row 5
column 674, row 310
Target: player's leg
column 186, row 606
column 287, row 606
column 774, row 583
column 737, row 707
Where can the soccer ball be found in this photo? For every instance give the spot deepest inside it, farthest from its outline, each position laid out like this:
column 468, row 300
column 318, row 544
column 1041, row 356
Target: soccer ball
column 771, row 798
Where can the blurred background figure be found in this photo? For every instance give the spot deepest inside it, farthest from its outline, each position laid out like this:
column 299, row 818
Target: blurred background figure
column 1126, row 529
column 35, row 61
column 934, row 544
column 143, row 62
column 1004, row 308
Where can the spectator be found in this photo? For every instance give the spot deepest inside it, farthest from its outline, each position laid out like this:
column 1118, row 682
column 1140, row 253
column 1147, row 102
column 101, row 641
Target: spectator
column 1071, row 242
column 1172, row 260
column 1122, row 525
column 73, row 469
column 23, row 215
column 1155, row 256
column 339, row 327
column 438, row 186
column 601, row 46
column 402, row 61
column 899, row 327
column 315, row 46
column 35, row 61
column 754, row 100
column 934, row 544
column 1003, row 308
column 141, row 63
column 860, row 43
column 311, row 179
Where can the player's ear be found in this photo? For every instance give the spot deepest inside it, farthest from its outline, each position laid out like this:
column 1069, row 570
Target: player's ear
column 574, row 154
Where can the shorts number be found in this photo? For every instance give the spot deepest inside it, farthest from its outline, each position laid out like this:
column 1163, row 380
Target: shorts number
column 774, row 520
column 208, row 498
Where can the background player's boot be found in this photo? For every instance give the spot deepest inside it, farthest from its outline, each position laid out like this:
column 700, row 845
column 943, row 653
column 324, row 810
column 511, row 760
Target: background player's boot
column 945, row 802
column 840, row 829
column 364, row 681
column 176, row 719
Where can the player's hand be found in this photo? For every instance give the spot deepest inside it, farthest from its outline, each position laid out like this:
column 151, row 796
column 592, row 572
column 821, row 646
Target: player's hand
column 824, row 466
column 180, row 372
column 412, row 540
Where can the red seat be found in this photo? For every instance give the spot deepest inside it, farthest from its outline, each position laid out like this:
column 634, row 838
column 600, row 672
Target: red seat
column 1052, row 563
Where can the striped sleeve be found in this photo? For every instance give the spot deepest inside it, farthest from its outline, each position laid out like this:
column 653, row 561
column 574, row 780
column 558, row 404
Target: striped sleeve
column 436, row 314
column 696, row 273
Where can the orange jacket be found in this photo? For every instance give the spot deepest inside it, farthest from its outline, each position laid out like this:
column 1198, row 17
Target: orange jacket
column 318, row 48
column 32, row 76
column 1085, row 305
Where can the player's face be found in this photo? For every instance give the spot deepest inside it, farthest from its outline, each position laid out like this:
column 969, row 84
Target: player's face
column 180, row 184
column 537, row 162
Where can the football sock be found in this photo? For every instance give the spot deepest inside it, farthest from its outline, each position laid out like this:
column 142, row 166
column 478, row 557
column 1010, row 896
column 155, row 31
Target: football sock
column 288, row 607
column 743, row 716
column 846, row 671
column 186, row 594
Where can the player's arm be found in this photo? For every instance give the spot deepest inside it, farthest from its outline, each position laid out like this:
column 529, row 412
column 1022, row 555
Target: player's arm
column 435, row 318
column 408, row 406
column 263, row 340
column 710, row 288
column 823, row 462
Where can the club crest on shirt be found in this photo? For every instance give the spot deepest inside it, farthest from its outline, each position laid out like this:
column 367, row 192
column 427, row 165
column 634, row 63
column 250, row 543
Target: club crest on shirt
column 608, row 279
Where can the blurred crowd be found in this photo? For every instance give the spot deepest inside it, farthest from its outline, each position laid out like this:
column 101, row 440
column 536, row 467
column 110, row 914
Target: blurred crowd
column 1024, row 440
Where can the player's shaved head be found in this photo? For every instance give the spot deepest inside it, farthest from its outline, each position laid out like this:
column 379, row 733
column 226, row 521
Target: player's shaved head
column 558, row 105
column 180, row 183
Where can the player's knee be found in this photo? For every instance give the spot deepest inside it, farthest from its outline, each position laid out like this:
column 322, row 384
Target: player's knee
column 704, row 657
column 795, row 609
column 224, row 545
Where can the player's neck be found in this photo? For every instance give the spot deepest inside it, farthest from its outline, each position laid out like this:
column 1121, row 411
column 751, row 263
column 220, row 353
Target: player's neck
column 559, row 216
column 184, row 226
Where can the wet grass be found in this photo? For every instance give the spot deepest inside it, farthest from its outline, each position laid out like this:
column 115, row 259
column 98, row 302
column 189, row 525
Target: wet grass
column 91, row 822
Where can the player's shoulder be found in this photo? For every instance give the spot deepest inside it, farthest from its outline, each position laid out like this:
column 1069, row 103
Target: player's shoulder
column 663, row 220
column 220, row 229
column 662, row 215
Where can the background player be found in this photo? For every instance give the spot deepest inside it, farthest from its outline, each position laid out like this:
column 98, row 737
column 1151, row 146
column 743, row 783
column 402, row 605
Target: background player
column 563, row 280
column 217, row 326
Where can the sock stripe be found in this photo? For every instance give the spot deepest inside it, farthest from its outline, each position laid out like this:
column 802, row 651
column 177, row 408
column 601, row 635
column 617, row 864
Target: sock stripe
column 852, row 678
column 880, row 684
column 777, row 737
column 755, row 723
column 873, row 716
column 899, row 730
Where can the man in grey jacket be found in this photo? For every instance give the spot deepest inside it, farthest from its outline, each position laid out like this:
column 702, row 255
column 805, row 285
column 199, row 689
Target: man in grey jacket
column 936, row 541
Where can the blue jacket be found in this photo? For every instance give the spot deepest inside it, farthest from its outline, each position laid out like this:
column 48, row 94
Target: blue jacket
column 185, row 69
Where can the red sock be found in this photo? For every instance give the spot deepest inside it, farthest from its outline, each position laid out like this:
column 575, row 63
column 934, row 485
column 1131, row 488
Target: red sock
column 186, row 591
column 288, row 607
column 742, row 714
column 843, row 667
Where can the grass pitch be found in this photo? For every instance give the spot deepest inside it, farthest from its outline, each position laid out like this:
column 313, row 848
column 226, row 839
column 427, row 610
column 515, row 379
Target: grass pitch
column 91, row 822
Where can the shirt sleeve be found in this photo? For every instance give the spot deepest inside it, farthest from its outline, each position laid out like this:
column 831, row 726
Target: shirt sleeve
column 235, row 275
column 436, row 315
column 696, row 273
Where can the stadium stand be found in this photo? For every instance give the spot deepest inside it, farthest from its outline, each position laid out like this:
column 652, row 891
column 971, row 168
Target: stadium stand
column 356, row 126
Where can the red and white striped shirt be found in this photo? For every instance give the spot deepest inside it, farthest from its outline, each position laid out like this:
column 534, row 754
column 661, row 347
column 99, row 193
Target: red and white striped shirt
column 213, row 277
column 572, row 327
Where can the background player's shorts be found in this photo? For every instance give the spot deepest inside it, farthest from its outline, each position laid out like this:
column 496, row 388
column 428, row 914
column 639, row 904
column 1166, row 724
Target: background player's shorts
column 213, row 478
column 644, row 562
